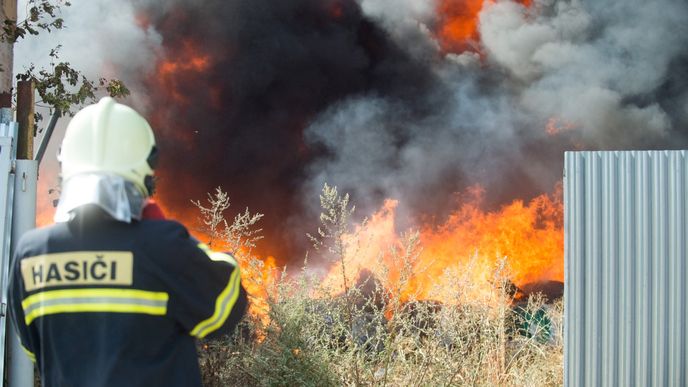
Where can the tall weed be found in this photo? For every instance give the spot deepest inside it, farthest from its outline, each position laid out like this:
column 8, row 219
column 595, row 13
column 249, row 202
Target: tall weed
column 307, row 333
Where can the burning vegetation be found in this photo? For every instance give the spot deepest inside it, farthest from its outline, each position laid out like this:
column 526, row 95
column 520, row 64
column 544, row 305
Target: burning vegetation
column 379, row 316
column 529, row 235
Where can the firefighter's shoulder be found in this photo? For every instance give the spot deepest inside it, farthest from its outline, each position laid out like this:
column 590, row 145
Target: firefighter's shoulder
column 165, row 240
column 163, row 229
column 170, row 241
column 34, row 241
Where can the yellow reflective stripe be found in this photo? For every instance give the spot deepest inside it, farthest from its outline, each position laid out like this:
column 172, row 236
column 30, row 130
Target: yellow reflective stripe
column 93, row 293
column 215, row 256
column 94, row 300
column 110, row 308
column 223, row 307
column 28, row 353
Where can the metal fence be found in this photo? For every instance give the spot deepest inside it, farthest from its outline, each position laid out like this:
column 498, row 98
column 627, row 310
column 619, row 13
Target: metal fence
column 626, row 244
column 17, row 215
column 8, row 132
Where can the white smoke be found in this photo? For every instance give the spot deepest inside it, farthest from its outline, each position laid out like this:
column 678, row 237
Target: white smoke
column 582, row 64
column 595, row 68
column 397, row 15
column 406, row 21
column 101, row 39
column 530, row 48
column 364, row 152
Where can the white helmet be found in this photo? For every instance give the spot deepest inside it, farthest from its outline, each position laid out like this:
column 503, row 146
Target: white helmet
column 110, row 138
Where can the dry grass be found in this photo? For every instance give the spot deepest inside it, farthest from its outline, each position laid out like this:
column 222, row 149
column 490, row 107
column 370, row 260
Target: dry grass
column 366, row 335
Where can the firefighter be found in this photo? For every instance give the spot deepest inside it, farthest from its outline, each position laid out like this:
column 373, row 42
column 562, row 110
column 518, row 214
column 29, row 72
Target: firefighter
column 104, row 297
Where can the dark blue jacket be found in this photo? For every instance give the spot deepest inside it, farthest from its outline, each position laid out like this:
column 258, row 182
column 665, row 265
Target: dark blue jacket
column 106, row 303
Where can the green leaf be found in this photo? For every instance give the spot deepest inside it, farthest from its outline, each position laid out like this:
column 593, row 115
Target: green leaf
column 63, row 87
column 34, row 14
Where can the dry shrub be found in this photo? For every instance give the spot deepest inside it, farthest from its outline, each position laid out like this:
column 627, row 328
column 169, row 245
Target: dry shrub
column 366, row 334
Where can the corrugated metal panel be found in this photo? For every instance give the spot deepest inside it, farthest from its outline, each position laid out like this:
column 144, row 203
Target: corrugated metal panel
column 626, row 269
column 7, row 155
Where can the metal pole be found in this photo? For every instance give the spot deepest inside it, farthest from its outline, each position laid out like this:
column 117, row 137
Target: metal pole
column 24, row 219
column 46, row 137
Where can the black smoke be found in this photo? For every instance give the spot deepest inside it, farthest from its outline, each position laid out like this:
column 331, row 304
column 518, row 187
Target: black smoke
column 357, row 93
column 275, row 66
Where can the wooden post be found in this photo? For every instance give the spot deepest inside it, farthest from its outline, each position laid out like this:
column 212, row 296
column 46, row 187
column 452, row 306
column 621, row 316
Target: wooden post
column 25, row 119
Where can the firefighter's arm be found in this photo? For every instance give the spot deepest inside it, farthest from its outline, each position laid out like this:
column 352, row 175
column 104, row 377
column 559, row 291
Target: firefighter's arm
column 230, row 304
column 16, row 312
column 209, row 299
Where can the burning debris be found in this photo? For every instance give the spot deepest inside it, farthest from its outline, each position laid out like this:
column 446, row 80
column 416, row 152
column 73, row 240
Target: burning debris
column 550, row 290
column 368, row 315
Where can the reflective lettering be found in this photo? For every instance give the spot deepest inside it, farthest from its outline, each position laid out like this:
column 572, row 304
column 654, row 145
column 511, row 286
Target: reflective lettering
column 78, row 268
column 53, row 273
column 72, row 269
column 37, row 275
column 102, row 274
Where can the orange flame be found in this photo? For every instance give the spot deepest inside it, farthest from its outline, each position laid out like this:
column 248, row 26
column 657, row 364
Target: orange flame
column 187, row 59
column 457, row 28
column 259, row 283
column 471, row 242
column 555, row 126
column 192, row 60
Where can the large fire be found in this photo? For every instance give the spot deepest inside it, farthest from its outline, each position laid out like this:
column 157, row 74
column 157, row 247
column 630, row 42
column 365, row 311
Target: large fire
column 522, row 242
column 526, row 237
column 213, row 104
column 472, row 244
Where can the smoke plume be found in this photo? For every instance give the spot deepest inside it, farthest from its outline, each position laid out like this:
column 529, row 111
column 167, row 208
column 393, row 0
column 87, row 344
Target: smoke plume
column 272, row 99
